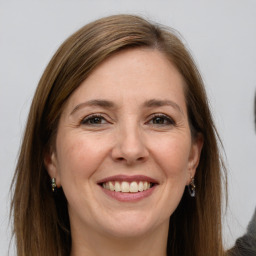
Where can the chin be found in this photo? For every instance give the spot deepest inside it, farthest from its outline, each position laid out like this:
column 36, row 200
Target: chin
column 128, row 231
column 133, row 225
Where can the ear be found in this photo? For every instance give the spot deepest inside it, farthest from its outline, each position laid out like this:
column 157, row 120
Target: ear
column 51, row 164
column 194, row 156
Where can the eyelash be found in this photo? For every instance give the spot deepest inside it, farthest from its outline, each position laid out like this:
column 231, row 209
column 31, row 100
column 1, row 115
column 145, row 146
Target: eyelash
column 88, row 119
column 168, row 120
column 164, row 118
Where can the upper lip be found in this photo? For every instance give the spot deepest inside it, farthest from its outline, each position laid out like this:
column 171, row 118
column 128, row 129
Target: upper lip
column 128, row 178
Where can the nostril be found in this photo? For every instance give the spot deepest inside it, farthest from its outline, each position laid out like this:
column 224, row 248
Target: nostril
column 120, row 159
column 129, row 153
column 129, row 160
column 124, row 159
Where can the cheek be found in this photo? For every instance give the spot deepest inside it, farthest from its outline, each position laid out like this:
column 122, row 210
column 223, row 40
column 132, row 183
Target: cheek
column 172, row 155
column 78, row 157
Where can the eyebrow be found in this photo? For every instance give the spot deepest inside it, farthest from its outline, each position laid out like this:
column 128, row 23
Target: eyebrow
column 109, row 104
column 160, row 103
column 93, row 103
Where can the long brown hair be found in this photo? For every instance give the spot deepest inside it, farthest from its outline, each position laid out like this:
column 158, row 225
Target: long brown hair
column 41, row 223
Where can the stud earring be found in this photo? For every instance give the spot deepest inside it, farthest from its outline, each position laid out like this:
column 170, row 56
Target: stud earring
column 53, row 184
column 192, row 187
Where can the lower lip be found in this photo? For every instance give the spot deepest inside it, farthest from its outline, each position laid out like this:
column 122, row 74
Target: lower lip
column 129, row 197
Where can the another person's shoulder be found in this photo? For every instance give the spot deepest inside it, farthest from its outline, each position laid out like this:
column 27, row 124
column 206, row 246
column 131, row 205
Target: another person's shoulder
column 246, row 245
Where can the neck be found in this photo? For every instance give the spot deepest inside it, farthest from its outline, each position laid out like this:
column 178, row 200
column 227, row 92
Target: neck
column 95, row 244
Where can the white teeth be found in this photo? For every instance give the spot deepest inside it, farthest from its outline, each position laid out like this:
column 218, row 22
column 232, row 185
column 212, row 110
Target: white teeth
column 127, row 187
column 111, row 186
column 141, row 186
column 117, row 187
column 134, row 187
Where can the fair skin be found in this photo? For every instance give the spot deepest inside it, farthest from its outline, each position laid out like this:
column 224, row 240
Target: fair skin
column 125, row 128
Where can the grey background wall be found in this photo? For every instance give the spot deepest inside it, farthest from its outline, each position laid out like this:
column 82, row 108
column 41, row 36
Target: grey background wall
column 222, row 37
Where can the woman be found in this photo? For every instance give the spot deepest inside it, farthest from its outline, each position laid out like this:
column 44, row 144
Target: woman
column 120, row 125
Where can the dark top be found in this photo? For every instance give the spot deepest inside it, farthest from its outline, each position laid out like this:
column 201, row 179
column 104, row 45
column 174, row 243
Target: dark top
column 246, row 245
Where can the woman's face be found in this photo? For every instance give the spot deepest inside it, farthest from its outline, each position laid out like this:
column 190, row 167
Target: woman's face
column 124, row 151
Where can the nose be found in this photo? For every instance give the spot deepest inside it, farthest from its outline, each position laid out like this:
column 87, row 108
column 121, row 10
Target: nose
column 130, row 147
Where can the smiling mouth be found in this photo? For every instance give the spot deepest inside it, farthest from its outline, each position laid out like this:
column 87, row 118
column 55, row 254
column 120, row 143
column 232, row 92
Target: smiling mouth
column 127, row 187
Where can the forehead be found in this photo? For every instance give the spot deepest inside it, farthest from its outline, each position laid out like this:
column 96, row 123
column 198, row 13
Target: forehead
column 133, row 74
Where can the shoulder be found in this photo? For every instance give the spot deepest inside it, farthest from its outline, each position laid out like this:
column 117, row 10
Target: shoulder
column 246, row 245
